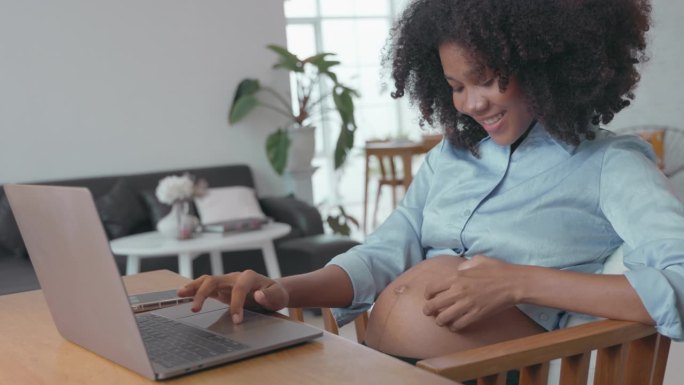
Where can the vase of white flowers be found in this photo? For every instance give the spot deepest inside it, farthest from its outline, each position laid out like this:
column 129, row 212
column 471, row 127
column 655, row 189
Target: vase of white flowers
column 178, row 192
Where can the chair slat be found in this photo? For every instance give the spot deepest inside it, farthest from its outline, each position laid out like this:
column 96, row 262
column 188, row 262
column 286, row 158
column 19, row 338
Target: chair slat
column 329, row 322
column 575, row 369
column 535, row 374
column 640, row 360
column 610, row 365
column 360, row 324
column 296, row 314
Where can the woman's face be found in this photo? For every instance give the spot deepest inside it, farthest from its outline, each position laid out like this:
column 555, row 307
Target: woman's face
column 475, row 92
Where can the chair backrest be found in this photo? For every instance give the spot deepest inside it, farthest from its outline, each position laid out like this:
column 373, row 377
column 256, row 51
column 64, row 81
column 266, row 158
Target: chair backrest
column 628, row 353
column 667, row 142
column 390, row 173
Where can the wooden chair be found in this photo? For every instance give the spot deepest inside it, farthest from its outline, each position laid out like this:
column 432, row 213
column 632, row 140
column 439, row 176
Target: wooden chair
column 628, row 353
column 394, row 162
column 666, row 142
column 385, row 154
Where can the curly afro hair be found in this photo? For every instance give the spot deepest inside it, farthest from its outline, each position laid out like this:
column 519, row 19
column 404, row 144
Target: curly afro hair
column 576, row 60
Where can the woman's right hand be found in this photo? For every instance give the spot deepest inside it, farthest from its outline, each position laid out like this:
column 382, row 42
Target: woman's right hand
column 237, row 289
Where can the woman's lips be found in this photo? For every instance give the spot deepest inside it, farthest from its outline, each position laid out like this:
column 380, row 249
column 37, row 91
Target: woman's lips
column 493, row 123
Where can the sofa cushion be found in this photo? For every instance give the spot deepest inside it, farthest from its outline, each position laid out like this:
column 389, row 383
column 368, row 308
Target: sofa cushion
column 229, row 205
column 10, row 237
column 121, row 210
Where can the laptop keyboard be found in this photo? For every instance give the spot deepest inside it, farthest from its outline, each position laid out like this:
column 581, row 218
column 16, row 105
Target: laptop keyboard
column 171, row 343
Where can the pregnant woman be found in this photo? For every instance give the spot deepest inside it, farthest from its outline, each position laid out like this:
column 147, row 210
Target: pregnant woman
column 507, row 224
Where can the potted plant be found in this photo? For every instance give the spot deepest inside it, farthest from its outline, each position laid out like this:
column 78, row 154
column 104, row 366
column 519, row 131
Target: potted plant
column 316, row 83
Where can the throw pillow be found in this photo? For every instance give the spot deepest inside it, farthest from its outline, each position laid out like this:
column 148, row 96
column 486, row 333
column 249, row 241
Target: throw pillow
column 234, row 208
column 10, row 237
column 120, row 210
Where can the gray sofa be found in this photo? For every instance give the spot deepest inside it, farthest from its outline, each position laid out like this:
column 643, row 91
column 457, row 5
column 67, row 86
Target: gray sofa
column 127, row 205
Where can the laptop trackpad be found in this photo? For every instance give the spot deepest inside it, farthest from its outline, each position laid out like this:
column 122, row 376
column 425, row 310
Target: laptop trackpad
column 216, row 317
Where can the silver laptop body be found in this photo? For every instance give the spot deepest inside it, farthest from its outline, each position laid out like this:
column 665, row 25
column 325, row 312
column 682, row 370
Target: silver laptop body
column 89, row 304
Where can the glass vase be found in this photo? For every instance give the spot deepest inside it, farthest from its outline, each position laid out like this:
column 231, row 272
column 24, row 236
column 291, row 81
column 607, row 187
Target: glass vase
column 178, row 223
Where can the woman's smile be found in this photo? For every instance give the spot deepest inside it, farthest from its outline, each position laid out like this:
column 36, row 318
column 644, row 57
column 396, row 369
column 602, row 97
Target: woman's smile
column 504, row 114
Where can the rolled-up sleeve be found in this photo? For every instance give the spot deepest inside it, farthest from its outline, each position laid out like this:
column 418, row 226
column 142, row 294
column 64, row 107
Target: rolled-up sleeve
column 644, row 211
column 390, row 250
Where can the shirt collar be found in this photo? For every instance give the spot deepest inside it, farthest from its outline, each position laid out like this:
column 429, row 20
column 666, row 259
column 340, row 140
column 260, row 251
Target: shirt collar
column 539, row 133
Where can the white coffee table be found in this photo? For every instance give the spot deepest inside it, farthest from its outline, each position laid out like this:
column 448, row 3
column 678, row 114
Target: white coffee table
column 153, row 244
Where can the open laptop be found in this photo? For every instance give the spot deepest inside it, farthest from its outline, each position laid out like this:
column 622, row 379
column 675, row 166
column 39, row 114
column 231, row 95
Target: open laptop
column 90, row 307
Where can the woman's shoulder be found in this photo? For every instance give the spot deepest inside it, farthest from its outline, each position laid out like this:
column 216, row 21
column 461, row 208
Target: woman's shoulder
column 608, row 143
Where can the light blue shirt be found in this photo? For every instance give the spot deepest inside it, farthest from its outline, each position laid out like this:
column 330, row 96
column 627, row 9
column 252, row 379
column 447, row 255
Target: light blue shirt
column 547, row 204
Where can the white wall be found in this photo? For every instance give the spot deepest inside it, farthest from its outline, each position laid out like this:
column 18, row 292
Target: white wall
column 659, row 97
column 105, row 87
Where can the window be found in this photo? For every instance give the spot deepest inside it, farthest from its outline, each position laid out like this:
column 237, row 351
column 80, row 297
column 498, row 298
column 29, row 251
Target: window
column 355, row 30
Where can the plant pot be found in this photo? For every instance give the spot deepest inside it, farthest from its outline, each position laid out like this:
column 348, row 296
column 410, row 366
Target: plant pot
column 302, row 148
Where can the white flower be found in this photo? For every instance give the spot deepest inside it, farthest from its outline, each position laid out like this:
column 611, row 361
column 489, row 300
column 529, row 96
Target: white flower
column 174, row 188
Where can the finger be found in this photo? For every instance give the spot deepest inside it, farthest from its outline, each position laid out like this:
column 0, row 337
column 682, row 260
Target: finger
column 438, row 303
column 206, row 289
column 434, row 288
column 272, row 297
column 189, row 289
column 464, row 321
column 246, row 282
column 452, row 314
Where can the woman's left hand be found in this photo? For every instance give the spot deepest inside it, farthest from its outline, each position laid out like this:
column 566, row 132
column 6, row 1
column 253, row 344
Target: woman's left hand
column 481, row 287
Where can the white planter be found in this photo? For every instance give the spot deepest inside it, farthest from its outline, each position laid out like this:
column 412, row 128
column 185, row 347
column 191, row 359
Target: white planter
column 302, row 148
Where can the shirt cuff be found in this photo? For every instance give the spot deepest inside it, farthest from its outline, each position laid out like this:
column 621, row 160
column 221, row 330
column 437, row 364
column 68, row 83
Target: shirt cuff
column 655, row 288
column 362, row 285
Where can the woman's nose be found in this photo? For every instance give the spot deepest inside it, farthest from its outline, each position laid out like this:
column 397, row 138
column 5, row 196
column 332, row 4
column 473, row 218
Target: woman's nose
column 475, row 103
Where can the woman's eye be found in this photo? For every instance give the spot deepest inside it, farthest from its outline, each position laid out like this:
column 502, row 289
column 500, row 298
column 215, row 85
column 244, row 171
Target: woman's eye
column 488, row 82
column 457, row 90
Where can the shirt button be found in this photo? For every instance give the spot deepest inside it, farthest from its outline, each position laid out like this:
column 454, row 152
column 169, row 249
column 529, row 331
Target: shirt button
column 544, row 317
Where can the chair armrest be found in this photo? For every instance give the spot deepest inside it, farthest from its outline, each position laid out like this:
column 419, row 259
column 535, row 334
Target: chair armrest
column 533, row 352
column 304, row 219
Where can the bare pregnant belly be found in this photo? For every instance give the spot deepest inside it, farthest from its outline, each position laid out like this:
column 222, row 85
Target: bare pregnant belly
column 398, row 326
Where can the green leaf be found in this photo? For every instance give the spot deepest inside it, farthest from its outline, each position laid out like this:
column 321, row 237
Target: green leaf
column 243, row 107
column 244, row 99
column 286, row 59
column 345, row 142
column 345, row 105
column 277, row 147
column 322, row 64
column 337, row 225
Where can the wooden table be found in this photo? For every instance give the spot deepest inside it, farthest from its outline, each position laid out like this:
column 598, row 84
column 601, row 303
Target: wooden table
column 33, row 352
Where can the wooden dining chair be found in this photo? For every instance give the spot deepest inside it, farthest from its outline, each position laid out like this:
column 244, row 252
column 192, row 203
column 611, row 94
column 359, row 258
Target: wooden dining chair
column 388, row 160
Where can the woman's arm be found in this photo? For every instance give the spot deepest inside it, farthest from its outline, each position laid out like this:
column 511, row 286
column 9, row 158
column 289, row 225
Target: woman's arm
column 326, row 287
column 483, row 286
column 608, row 296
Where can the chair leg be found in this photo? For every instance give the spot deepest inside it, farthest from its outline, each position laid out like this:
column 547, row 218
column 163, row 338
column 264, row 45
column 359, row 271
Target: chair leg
column 365, row 197
column 394, row 196
column 662, row 352
column 375, row 210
